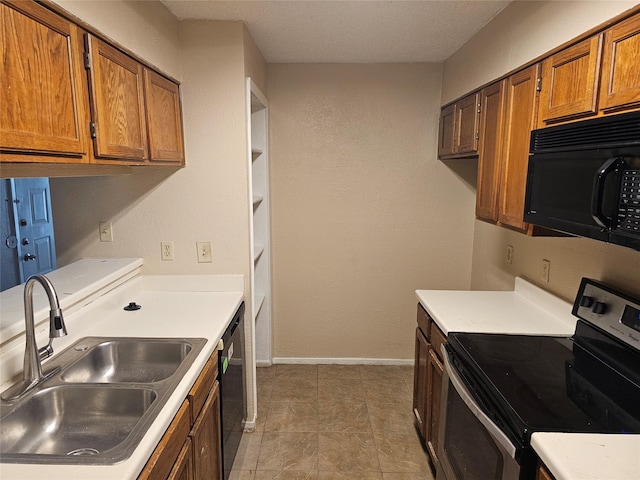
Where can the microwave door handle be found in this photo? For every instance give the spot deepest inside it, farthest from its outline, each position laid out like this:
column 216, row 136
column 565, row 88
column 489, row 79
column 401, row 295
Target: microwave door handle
column 497, row 434
column 597, row 195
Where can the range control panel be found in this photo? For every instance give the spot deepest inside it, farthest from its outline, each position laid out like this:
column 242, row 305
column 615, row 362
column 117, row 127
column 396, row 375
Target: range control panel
column 612, row 311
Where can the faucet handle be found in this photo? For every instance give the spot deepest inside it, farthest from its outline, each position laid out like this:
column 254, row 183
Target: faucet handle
column 57, row 328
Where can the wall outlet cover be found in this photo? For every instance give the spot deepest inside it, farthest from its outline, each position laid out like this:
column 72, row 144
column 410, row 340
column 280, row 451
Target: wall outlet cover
column 166, row 249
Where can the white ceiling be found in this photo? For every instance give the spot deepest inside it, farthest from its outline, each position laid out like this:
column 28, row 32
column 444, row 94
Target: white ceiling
column 361, row 31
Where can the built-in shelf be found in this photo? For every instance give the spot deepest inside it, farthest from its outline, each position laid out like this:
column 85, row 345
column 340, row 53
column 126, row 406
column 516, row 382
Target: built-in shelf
column 260, row 223
column 257, row 252
column 258, row 305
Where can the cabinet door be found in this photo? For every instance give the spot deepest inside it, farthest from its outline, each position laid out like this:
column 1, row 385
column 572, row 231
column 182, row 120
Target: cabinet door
column 164, row 119
column 569, row 86
column 183, row 468
column 490, row 151
column 446, row 133
column 466, row 124
column 543, row 474
column 167, row 453
column 420, row 382
column 434, row 381
column 519, row 120
column 41, row 87
column 620, row 84
column 117, row 103
column 206, row 438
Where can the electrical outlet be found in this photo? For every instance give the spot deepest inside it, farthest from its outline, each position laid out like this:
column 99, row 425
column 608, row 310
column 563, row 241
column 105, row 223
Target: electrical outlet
column 167, row 251
column 509, row 254
column 546, row 266
column 106, row 232
column 204, row 252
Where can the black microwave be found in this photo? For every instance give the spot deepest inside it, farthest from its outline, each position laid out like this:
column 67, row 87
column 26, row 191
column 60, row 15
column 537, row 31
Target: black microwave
column 584, row 179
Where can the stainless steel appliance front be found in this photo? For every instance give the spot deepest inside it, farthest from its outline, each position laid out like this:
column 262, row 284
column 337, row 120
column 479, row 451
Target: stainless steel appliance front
column 471, row 445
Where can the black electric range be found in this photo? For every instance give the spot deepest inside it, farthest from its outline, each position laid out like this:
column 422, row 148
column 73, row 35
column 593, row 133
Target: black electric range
column 587, row 383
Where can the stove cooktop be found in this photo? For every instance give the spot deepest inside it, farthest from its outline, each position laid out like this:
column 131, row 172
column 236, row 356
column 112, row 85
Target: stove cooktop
column 551, row 383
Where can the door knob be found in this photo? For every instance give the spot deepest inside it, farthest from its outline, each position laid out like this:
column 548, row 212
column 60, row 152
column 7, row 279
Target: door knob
column 28, row 256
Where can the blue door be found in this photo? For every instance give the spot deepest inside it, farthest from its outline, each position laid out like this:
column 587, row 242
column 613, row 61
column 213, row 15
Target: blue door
column 31, row 245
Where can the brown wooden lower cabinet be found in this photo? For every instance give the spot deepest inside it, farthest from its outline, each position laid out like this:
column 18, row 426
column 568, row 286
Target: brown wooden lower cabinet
column 543, row 473
column 434, row 380
column 183, row 468
column 206, row 438
column 420, row 382
column 191, row 449
column 427, row 383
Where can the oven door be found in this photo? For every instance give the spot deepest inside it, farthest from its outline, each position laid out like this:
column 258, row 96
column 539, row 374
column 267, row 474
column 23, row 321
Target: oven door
column 471, row 446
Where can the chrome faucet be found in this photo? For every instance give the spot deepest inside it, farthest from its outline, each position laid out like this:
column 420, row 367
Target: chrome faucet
column 32, row 371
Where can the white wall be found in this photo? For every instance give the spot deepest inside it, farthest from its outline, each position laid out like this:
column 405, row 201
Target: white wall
column 363, row 213
column 523, row 31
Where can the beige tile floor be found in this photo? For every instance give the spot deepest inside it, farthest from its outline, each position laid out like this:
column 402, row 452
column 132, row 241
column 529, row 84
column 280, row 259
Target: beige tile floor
column 333, row 422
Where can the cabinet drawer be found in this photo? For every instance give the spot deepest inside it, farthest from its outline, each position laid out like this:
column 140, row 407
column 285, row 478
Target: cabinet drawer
column 424, row 322
column 166, row 453
column 198, row 394
column 437, row 339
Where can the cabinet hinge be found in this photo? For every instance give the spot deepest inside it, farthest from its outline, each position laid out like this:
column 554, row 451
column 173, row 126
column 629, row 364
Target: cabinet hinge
column 92, row 129
column 478, row 135
column 478, row 108
column 539, row 84
column 87, row 60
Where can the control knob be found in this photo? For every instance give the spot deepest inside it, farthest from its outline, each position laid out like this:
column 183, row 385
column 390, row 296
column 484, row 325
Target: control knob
column 599, row 308
column 586, row 301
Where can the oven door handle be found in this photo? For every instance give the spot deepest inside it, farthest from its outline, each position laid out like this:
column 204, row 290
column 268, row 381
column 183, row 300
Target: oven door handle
column 482, row 417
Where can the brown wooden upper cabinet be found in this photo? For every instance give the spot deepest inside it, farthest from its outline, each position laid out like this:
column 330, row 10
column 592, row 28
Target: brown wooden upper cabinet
column 459, row 128
column 446, row 133
column 490, row 151
column 597, row 76
column 43, row 97
column 118, row 117
column 136, row 115
column 70, row 97
column 620, row 82
column 519, row 120
column 164, row 119
column 569, row 82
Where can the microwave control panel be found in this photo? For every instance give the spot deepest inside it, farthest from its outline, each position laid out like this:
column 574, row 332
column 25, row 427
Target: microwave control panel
column 629, row 207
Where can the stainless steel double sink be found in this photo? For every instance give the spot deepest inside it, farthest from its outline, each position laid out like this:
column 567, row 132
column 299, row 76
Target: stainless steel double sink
column 100, row 405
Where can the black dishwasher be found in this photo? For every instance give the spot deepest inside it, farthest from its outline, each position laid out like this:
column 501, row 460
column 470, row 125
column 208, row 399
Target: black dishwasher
column 232, row 397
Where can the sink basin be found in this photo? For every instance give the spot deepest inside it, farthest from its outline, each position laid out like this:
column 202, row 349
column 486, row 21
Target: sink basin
column 100, row 404
column 128, row 361
column 74, row 420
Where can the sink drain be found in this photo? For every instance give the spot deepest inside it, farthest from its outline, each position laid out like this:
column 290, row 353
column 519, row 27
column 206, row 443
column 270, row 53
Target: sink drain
column 83, row 452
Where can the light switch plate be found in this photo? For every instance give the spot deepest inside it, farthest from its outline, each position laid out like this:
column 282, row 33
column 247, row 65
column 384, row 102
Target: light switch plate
column 204, row 252
column 106, row 232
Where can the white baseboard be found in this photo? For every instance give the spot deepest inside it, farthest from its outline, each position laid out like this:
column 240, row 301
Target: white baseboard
column 249, row 426
column 342, row 361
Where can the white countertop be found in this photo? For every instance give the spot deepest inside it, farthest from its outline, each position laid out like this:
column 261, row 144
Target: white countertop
column 530, row 310
column 527, row 310
column 172, row 306
column 582, row 456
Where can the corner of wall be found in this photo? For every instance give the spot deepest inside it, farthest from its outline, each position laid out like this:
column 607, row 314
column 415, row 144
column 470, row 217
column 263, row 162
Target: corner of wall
column 255, row 66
